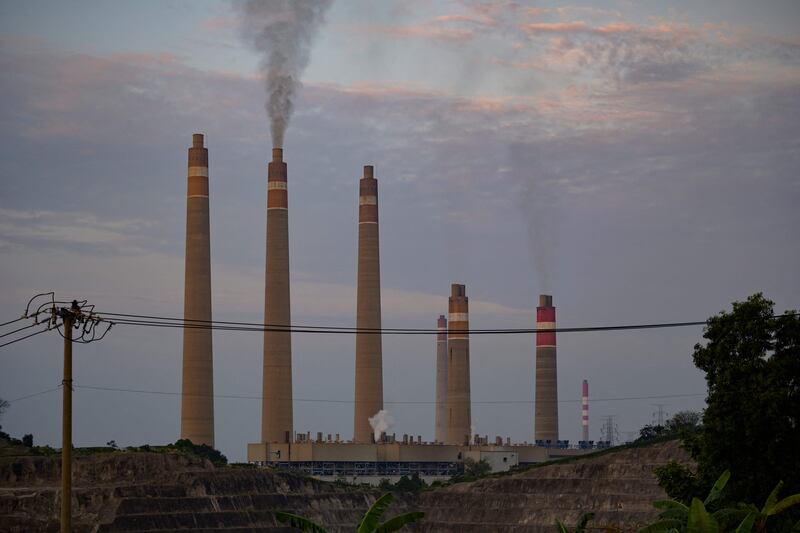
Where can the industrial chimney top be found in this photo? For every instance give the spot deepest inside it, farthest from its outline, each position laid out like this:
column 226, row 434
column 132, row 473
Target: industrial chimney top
column 197, row 140
column 277, row 154
column 545, row 300
column 458, row 290
column 369, row 171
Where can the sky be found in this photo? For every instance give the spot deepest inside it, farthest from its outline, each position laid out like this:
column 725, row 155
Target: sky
column 639, row 160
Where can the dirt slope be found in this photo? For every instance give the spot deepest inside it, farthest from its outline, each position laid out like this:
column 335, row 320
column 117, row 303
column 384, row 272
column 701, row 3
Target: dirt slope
column 162, row 492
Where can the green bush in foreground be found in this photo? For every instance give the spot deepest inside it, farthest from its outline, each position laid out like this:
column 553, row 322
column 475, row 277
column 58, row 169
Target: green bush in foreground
column 370, row 522
column 710, row 515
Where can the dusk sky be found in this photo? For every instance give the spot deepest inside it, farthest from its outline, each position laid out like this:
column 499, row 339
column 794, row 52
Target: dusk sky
column 638, row 160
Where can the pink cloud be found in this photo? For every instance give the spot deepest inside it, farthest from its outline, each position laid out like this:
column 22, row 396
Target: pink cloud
column 221, row 23
column 429, row 31
column 555, row 27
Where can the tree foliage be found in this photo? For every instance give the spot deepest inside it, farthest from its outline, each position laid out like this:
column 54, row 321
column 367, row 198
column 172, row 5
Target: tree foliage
column 411, row 483
column 476, row 469
column 678, row 481
column 683, row 424
column 714, row 515
column 751, row 426
column 650, row 432
column 200, row 450
column 369, row 523
column 684, row 421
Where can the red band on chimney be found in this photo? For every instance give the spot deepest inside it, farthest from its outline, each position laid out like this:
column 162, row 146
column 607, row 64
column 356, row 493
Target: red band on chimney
column 546, row 315
column 441, row 325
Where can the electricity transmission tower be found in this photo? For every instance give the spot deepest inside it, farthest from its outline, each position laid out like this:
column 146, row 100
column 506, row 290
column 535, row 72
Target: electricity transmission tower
column 609, row 431
column 659, row 415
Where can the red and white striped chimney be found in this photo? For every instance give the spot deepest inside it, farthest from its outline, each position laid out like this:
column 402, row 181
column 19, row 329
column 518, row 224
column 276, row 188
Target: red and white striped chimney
column 585, row 410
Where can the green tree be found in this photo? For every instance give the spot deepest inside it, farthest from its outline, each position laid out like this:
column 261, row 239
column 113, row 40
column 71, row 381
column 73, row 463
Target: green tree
column 751, row 425
column 684, row 421
column 201, row 450
column 370, row 522
column 650, row 432
column 678, row 481
column 476, row 469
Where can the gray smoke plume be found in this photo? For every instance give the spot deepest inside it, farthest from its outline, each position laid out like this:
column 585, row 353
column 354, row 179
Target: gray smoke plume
column 282, row 32
column 539, row 196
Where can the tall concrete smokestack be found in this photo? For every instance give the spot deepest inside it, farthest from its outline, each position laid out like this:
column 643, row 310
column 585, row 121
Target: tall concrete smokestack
column 459, row 418
column 369, row 360
column 585, row 410
column 276, row 410
column 546, row 421
column 441, row 379
column 197, row 398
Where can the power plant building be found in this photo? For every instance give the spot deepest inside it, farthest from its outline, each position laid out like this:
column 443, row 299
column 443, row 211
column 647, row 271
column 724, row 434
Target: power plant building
column 197, row 390
column 276, row 411
column 369, row 359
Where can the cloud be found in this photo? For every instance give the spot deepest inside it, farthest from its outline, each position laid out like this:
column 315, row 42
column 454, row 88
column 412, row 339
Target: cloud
column 652, row 198
column 73, row 230
column 434, row 30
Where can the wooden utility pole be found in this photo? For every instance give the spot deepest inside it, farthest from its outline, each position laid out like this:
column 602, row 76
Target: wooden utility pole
column 68, row 315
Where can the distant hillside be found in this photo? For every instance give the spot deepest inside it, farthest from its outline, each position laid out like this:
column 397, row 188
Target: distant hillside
column 125, row 491
column 618, row 486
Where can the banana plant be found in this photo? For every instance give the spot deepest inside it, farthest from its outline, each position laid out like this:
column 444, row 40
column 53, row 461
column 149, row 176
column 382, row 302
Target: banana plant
column 675, row 515
column 679, row 518
column 758, row 517
column 579, row 528
column 300, row 522
column 369, row 523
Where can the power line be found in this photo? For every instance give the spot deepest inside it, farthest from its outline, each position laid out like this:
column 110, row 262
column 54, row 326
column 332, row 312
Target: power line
column 181, row 323
column 34, row 395
column 25, row 337
column 18, row 330
column 397, row 402
column 245, row 326
column 12, row 321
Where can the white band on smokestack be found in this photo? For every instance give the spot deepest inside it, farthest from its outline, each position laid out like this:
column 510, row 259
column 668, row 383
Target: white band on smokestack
column 545, row 325
column 458, row 317
column 198, row 171
column 367, row 200
column 276, row 185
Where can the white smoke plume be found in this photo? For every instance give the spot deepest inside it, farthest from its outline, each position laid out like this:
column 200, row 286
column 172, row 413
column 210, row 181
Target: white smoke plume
column 281, row 31
column 380, row 423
